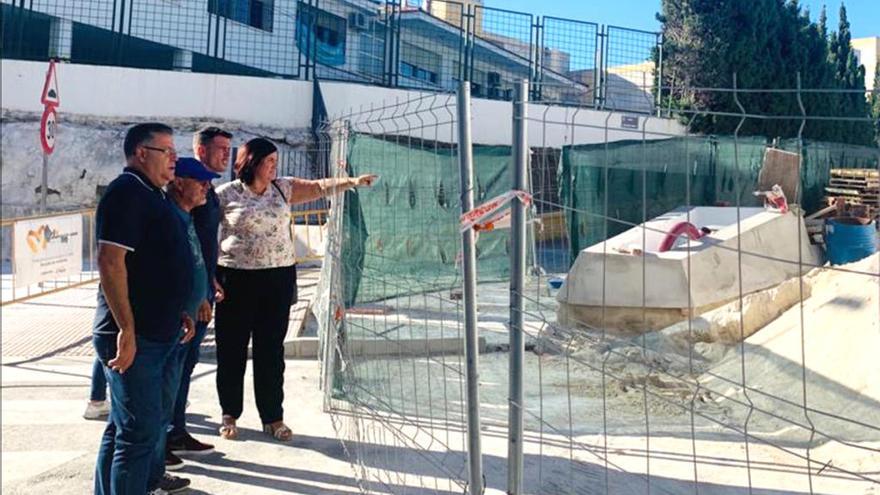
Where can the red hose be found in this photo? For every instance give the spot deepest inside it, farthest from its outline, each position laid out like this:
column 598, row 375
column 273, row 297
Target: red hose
column 677, row 230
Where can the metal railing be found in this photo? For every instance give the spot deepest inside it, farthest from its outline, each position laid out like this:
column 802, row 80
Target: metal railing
column 307, row 227
column 309, row 234
column 393, row 43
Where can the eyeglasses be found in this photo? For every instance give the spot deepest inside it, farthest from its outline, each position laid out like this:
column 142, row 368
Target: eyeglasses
column 164, row 151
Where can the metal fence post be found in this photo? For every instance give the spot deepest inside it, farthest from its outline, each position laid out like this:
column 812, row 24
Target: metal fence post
column 388, row 69
column 538, row 53
column 469, row 266
column 470, row 35
column 659, row 83
column 44, row 183
column 517, row 283
column 600, row 67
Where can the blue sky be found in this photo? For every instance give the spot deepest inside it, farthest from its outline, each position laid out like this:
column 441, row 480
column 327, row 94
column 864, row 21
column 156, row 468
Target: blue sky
column 864, row 15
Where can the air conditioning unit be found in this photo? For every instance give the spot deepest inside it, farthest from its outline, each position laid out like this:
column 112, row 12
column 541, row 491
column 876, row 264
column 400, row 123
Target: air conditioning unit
column 357, row 20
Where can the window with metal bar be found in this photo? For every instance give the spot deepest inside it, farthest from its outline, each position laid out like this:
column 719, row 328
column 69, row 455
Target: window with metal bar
column 254, row 13
column 321, row 33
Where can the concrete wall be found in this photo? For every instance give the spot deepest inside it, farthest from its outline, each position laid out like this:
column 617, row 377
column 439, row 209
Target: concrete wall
column 88, row 154
column 115, row 92
column 118, row 92
column 548, row 126
column 98, row 103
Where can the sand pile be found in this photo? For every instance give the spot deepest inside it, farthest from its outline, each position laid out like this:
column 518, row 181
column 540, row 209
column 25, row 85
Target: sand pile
column 828, row 351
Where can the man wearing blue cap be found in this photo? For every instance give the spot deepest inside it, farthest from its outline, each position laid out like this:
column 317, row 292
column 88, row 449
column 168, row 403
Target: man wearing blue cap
column 187, row 191
column 212, row 147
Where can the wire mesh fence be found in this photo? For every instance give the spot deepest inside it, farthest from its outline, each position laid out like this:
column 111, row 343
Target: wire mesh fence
column 253, row 37
column 568, row 51
column 716, row 398
column 431, row 46
column 502, row 51
column 731, row 358
column 417, row 45
column 630, row 69
column 392, row 357
column 305, row 164
column 345, row 41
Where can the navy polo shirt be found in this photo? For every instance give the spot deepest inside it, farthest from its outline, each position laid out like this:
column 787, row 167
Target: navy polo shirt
column 135, row 215
column 207, row 221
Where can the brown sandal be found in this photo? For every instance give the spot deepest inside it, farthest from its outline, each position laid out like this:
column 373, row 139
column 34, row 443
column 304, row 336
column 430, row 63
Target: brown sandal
column 228, row 430
column 279, row 431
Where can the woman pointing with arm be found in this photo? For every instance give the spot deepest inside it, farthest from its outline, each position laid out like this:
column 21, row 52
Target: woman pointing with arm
column 256, row 268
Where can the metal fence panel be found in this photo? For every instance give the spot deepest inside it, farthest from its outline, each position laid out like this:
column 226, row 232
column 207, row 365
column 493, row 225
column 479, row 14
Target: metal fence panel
column 344, row 41
column 259, row 41
column 629, row 69
column 392, row 352
column 429, row 50
column 568, row 61
column 247, row 38
column 501, row 51
column 417, row 45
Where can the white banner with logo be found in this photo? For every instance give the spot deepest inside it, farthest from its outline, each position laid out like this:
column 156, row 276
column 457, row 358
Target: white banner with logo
column 47, row 249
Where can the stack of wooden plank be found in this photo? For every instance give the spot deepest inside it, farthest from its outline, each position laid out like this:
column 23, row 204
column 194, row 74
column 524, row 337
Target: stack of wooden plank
column 857, row 186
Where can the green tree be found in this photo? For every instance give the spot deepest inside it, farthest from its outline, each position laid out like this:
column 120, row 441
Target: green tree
column 850, row 75
column 766, row 43
column 822, row 23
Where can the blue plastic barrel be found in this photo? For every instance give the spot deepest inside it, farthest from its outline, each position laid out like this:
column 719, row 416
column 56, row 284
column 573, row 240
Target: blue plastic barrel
column 848, row 242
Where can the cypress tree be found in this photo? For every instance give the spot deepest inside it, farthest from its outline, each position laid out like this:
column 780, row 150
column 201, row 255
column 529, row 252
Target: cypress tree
column 766, row 43
column 850, row 75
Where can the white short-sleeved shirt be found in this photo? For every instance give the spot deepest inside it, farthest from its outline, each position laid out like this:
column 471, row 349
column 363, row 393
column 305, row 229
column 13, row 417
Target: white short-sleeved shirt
column 255, row 228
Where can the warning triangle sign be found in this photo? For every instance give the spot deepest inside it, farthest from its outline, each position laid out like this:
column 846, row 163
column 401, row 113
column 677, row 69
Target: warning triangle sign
column 50, row 88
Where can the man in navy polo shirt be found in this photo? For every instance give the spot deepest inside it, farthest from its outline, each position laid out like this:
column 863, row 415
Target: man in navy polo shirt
column 212, row 147
column 146, row 270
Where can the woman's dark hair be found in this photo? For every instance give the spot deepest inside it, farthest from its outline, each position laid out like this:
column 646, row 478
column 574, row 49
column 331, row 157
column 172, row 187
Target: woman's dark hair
column 250, row 156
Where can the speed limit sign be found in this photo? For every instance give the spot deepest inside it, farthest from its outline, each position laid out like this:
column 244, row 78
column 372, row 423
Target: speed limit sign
column 47, row 129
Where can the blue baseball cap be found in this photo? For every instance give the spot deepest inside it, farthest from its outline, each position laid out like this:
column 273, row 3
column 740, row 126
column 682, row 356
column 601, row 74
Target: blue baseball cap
column 190, row 168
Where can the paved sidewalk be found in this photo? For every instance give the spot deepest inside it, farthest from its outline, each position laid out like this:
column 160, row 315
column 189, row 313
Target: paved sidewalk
column 49, row 448
column 60, row 323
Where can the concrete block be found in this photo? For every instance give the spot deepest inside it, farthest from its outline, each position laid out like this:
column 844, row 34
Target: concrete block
column 747, row 251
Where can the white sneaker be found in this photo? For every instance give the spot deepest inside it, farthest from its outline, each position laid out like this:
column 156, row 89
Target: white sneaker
column 97, row 410
column 158, row 491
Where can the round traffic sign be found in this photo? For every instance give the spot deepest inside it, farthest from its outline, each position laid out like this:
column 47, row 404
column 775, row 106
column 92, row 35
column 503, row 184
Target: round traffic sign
column 47, row 130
